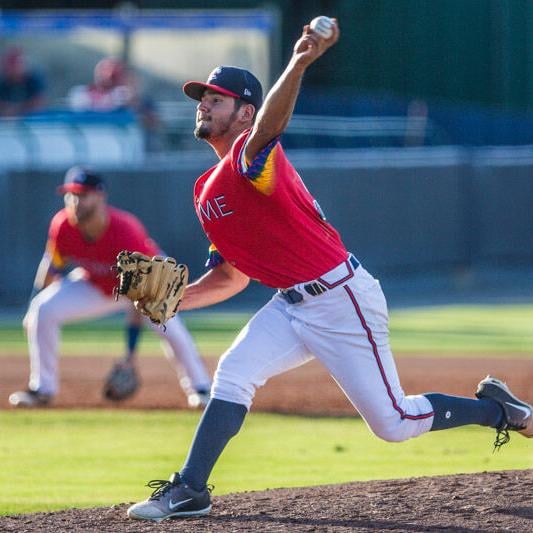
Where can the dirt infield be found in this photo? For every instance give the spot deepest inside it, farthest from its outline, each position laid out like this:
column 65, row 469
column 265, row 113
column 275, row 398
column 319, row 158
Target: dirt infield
column 305, row 390
column 485, row 502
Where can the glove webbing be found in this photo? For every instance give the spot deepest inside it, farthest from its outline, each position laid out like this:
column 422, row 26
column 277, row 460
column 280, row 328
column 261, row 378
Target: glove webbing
column 124, row 284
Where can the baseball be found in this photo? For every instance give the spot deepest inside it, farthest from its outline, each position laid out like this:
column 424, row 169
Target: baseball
column 323, row 26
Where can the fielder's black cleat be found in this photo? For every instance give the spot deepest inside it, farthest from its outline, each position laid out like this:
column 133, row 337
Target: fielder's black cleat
column 517, row 414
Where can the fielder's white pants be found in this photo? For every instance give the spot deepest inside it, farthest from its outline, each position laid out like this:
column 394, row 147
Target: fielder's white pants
column 72, row 299
column 346, row 328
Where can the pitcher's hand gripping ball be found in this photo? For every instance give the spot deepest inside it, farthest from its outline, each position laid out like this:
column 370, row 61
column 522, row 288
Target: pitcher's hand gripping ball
column 156, row 285
column 323, row 26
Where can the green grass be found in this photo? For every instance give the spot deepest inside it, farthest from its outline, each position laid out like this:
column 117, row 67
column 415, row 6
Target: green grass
column 213, row 333
column 462, row 329
column 59, row 459
column 481, row 331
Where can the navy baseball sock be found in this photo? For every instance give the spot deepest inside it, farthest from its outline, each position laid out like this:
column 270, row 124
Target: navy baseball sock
column 455, row 411
column 221, row 421
column 132, row 337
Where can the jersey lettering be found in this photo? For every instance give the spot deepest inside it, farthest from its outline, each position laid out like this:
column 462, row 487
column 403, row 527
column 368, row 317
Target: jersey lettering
column 276, row 233
column 215, row 207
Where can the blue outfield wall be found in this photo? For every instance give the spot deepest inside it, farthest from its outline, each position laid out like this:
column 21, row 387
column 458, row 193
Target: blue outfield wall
column 404, row 213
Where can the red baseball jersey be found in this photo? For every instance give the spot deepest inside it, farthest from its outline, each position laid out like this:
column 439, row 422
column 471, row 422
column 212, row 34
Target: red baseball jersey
column 261, row 218
column 67, row 246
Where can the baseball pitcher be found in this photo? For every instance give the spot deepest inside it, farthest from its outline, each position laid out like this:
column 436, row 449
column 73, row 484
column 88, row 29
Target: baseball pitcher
column 265, row 225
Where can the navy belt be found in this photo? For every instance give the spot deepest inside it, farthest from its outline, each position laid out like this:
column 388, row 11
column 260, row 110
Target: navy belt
column 314, row 288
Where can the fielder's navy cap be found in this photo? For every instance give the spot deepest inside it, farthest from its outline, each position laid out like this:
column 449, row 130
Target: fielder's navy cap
column 80, row 180
column 232, row 81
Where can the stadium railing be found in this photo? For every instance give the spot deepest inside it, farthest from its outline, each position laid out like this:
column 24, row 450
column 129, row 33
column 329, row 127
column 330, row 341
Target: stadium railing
column 62, row 138
column 320, row 131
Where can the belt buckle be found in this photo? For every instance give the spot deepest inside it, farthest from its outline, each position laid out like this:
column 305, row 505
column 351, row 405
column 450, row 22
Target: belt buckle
column 314, row 288
column 291, row 296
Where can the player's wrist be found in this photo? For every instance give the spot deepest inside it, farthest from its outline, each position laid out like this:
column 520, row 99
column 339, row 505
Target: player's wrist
column 298, row 64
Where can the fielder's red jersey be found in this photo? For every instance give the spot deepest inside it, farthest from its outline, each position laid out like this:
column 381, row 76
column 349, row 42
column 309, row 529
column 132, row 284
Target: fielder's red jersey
column 261, row 218
column 67, row 246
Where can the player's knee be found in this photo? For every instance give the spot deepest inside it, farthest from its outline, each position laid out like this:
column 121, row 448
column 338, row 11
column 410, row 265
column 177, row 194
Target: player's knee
column 394, row 425
column 232, row 391
column 390, row 427
column 390, row 435
column 399, row 429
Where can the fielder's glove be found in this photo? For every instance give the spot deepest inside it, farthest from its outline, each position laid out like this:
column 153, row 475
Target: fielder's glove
column 121, row 382
column 155, row 285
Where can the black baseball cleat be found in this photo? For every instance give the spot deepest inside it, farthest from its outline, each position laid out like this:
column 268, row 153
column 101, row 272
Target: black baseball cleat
column 171, row 499
column 517, row 414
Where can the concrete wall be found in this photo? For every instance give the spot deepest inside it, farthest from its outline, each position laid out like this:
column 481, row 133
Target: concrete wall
column 402, row 212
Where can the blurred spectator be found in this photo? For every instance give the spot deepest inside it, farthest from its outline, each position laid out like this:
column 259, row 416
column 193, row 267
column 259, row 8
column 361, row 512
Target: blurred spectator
column 115, row 88
column 109, row 91
column 21, row 88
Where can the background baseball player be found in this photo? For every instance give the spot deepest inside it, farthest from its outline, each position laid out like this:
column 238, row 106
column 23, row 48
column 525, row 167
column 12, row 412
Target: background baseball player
column 88, row 234
column 134, row 327
column 265, row 225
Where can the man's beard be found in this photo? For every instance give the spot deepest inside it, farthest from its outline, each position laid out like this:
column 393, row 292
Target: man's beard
column 85, row 214
column 203, row 131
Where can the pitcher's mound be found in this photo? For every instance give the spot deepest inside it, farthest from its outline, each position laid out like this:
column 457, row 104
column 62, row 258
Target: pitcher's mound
column 486, row 502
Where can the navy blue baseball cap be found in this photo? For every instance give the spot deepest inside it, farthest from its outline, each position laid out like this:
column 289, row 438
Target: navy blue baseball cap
column 81, row 179
column 231, row 81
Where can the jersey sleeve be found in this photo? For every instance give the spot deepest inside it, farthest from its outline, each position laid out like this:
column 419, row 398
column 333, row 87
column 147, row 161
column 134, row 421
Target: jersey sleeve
column 214, row 258
column 261, row 172
column 58, row 263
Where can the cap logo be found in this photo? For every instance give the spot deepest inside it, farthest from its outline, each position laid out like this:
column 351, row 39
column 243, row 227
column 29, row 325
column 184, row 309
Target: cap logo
column 247, row 92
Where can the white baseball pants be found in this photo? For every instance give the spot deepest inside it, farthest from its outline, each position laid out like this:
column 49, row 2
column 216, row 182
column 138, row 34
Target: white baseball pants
column 72, row 299
column 346, row 328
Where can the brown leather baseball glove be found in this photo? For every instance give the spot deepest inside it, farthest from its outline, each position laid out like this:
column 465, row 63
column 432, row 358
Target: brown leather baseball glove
column 121, row 382
column 156, row 285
